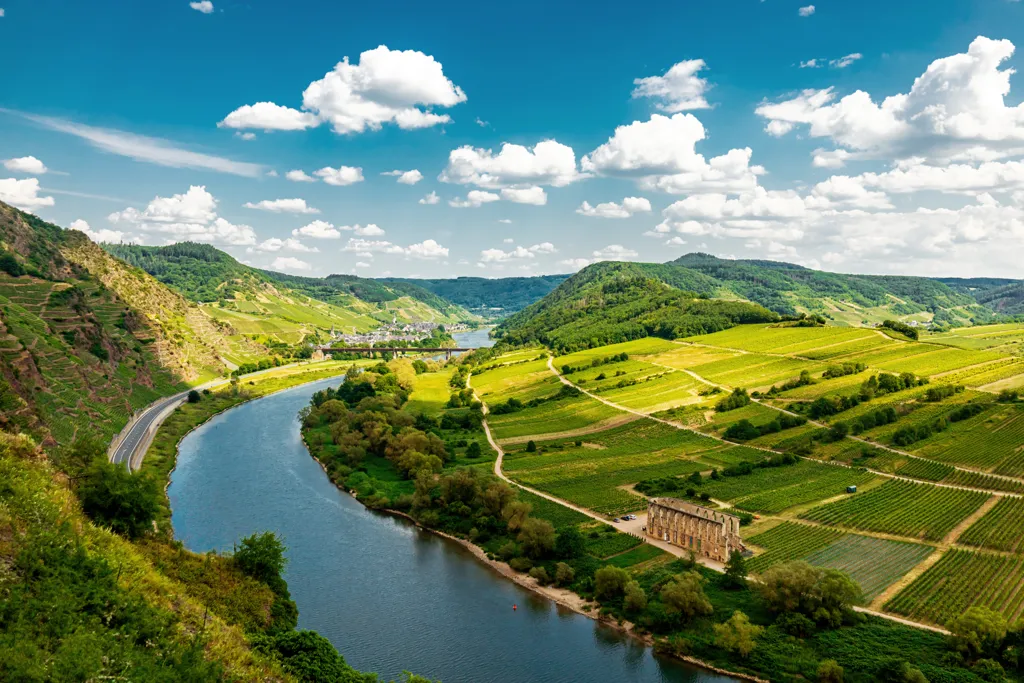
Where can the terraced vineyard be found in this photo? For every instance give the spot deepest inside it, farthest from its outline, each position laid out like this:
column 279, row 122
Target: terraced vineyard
column 902, row 508
column 991, row 441
column 772, row 490
column 556, row 417
column 1001, row 528
column 962, row 579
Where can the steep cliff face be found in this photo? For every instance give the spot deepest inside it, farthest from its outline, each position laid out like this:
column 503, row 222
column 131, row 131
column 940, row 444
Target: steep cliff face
column 86, row 339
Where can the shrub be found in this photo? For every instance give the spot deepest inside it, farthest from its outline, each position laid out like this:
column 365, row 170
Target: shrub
column 738, row 634
column 610, row 582
column 541, row 575
column 521, row 564
column 564, row 574
column 737, row 399
column 194, row 397
column 531, row 446
column 112, row 496
column 261, row 556
column 635, row 599
column 829, row 671
column 474, row 450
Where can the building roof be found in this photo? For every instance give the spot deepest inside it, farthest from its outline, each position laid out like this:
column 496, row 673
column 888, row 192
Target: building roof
column 693, row 510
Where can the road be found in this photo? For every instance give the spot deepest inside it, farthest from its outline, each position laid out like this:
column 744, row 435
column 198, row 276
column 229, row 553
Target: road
column 139, row 432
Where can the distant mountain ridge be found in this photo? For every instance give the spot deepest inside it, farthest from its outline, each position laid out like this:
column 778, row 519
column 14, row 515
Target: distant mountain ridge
column 487, row 296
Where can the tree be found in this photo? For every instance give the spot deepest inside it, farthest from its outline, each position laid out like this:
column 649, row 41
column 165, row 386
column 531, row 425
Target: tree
column 829, row 671
column 541, row 575
column 569, row 543
column 564, row 574
column 737, row 634
column 194, row 397
column 309, row 656
column 635, row 599
column 112, row 496
column 684, row 597
column 979, row 631
column 10, row 265
column 531, row 447
column 515, row 513
column 610, row 582
column 536, row 537
column 825, row 595
column 261, row 556
column 736, row 570
column 474, row 450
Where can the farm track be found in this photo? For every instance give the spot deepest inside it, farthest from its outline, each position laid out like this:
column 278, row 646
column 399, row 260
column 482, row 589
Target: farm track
column 673, row 550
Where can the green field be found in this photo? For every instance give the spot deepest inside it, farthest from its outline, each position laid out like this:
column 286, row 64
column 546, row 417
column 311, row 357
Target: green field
column 1001, row 528
column 430, row 393
column 962, row 579
column 556, row 417
column 990, row 441
column 902, row 508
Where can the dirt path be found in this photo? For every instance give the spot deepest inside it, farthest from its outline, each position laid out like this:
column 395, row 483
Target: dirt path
column 907, row 579
column 966, row 524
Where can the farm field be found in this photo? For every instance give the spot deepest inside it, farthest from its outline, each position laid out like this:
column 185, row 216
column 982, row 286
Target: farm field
column 783, row 340
column 752, row 370
column 962, row 579
column 658, row 392
column 874, row 563
column 1001, row 528
column 565, row 415
column 430, row 393
column 990, row 441
column 638, row 347
column 902, row 508
column 519, row 379
column 1008, row 337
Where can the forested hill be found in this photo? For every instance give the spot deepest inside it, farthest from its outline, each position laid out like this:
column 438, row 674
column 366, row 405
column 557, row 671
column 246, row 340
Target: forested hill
column 613, row 302
column 1001, row 295
column 491, row 297
column 846, row 299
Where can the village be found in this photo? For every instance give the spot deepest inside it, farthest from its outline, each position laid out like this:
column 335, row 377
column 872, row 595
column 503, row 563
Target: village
column 397, row 332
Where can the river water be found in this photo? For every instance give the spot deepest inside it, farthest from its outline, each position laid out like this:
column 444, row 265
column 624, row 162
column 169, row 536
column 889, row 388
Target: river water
column 389, row 596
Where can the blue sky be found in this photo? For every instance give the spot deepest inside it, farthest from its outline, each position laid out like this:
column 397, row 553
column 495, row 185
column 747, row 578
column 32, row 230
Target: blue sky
column 135, row 121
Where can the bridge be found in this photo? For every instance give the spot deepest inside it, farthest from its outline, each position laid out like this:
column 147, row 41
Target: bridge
column 370, row 350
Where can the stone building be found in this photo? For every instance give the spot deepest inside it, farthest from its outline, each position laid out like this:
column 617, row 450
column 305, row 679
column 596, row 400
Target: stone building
column 708, row 533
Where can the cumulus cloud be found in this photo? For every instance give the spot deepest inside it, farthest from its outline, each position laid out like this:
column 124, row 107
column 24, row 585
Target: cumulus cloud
column 370, row 230
column 188, row 216
column 204, row 6
column 23, row 194
column 98, row 236
column 406, row 177
column 430, row 198
column 525, row 195
column 954, row 111
column 628, row 207
column 345, row 175
column 806, row 11
column 518, row 253
column 547, row 163
column 846, row 61
column 29, row 165
column 615, row 252
column 575, row 264
column 678, row 90
column 474, row 199
column 299, row 176
column 290, row 264
column 385, row 86
column 282, row 206
column 320, row 230
column 427, row 249
column 275, row 244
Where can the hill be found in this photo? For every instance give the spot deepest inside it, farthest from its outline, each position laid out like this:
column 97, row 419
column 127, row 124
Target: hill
column 613, row 302
column 846, row 299
column 488, row 297
column 276, row 308
column 1001, row 295
column 82, row 335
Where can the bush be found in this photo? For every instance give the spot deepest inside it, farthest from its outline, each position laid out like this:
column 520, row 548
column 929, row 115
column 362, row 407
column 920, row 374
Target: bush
column 541, row 575
column 261, row 556
column 829, row 671
column 564, row 574
column 737, row 399
column 521, row 564
column 635, row 599
column 738, row 634
column 112, row 496
column 309, row 656
column 569, row 543
column 194, row 397
column 610, row 582
column 531, row 446
column 474, row 450
column 824, row 595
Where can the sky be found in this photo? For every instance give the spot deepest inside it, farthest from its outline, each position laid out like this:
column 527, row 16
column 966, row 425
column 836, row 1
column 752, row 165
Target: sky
column 486, row 139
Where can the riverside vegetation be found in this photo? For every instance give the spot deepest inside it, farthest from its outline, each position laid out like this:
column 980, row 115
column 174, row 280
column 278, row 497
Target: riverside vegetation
column 732, row 424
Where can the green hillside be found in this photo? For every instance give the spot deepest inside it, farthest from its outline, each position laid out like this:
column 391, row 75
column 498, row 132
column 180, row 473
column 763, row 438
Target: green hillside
column 1001, row 295
column 489, row 297
column 611, row 302
column 276, row 308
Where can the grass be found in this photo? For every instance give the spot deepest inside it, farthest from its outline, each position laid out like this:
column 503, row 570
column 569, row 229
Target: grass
column 430, row 393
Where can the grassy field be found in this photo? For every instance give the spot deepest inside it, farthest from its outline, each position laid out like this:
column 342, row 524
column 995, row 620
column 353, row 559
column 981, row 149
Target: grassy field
column 566, row 415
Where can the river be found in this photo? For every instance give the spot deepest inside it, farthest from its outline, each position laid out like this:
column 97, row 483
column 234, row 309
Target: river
column 390, row 597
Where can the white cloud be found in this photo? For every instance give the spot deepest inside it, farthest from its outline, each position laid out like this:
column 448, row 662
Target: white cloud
column 474, row 199
column 525, row 195
column 1, row 12
column 506, row 221
column 806, row 11
column 189, row 216
column 24, row 194
column 320, row 230
column 547, row 163
column 615, row 252
column 269, row 116
column 676, row 241
column 246, row 136
column 812, row 63
column 628, row 207
column 143, row 148
column 345, row 175
column 282, row 206
column 518, row 253
column 431, row 199
column 204, row 6
column 427, row 249
column 385, row 86
column 25, row 165
column 679, row 89
column 576, row 263
column 370, row 230
column 275, row 244
column 290, row 263
column 98, row 236
column 406, row 177
column 846, row 61
column 362, row 264
column 955, row 111
column 299, row 176
column 826, row 158
column 361, row 246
